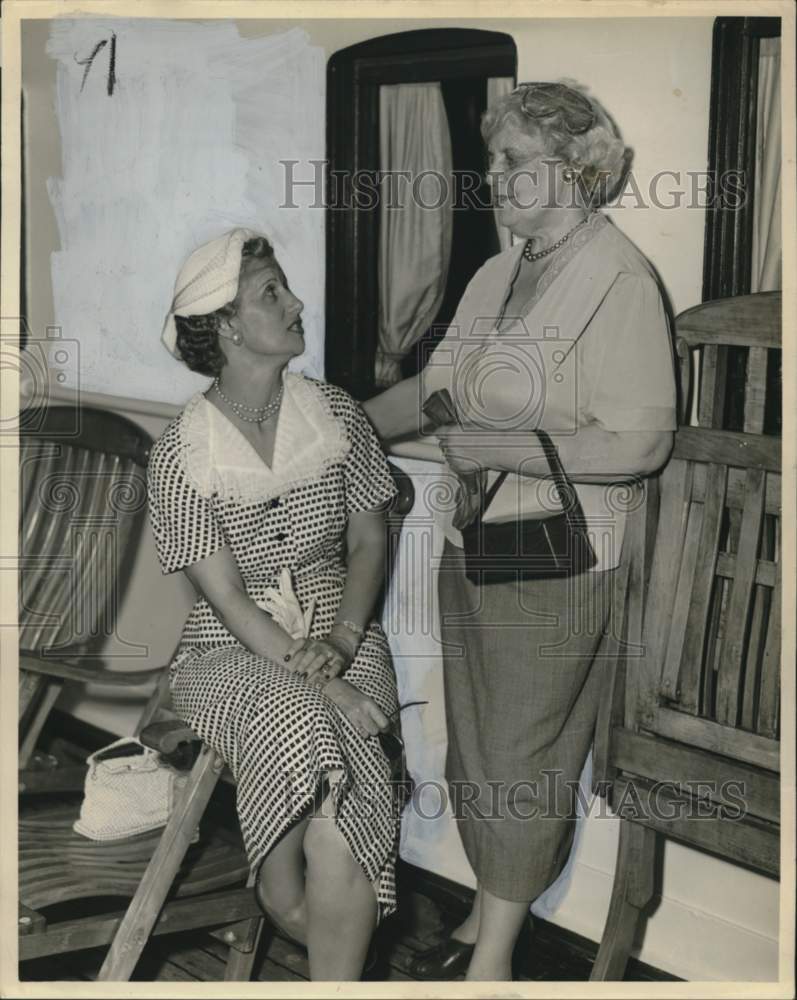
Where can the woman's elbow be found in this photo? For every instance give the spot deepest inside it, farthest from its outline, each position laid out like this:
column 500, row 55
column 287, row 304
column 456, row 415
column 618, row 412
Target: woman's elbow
column 370, row 546
column 656, row 453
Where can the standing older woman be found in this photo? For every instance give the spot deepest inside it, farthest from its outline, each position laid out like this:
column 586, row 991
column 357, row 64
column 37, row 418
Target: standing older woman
column 268, row 477
column 566, row 332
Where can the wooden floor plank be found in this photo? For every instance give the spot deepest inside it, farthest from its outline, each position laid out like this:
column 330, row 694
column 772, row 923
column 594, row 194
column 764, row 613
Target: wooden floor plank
column 271, row 972
column 268, row 971
column 196, row 957
column 399, row 958
column 290, row 956
column 170, row 973
column 199, row 964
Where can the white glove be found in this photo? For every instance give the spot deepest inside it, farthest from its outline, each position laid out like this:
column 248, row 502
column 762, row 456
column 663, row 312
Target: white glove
column 284, row 607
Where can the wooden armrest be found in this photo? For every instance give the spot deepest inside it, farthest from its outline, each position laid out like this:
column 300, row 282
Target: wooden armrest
column 69, row 778
column 167, row 737
column 30, row 921
column 84, row 674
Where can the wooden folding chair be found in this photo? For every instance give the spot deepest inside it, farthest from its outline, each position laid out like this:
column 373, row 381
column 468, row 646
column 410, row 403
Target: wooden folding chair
column 82, row 502
column 692, row 738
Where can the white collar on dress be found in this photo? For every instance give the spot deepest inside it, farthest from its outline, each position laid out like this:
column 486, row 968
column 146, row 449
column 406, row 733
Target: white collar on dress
column 218, row 459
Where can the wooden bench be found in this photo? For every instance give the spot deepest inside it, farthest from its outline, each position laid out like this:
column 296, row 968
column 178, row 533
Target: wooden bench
column 690, row 738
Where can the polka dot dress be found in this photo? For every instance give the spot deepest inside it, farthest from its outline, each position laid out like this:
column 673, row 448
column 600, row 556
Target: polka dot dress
column 281, row 737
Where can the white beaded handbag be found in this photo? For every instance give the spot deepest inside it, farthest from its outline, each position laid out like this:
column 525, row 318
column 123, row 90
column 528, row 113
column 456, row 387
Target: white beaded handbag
column 128, row 790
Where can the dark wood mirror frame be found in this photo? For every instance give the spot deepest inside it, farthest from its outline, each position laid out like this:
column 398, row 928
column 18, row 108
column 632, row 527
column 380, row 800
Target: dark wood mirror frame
column 731, row 147
column 354, row 76
column 729, row 231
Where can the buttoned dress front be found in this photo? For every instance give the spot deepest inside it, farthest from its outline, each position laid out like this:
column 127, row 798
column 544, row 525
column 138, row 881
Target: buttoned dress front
column 280, row 736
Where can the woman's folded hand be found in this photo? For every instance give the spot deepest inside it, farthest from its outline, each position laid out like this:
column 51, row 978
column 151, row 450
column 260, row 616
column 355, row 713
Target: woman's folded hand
column 363, row 712
column 318, row 660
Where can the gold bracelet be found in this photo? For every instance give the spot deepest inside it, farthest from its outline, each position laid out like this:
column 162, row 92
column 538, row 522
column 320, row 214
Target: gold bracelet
column 352, row 627
column 351, row 645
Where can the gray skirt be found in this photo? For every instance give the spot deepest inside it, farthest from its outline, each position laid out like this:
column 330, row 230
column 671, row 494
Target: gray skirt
column 523, row 673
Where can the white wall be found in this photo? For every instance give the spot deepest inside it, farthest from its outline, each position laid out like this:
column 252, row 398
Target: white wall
column 187, row 145
column 715, row 921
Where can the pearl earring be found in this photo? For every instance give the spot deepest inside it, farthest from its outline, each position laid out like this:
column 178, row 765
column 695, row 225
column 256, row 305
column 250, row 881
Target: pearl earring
column 237, row 339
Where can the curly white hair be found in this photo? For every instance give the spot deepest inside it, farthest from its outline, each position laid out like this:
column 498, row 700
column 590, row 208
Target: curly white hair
column 573, row 126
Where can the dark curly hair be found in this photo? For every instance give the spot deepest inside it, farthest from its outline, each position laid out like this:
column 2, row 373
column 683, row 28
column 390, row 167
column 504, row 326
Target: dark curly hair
column 198, row 339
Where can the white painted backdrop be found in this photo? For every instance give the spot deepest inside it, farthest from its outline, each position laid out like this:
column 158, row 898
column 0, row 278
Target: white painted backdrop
column 188, row 144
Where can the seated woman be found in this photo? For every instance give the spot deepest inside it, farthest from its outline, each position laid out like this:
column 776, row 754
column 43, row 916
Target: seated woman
column 269, row 471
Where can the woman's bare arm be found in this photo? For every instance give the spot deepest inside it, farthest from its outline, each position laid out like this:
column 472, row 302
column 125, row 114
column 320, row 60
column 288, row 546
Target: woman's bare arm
column 593, row 454
column 365, row 568
column 219, row 581
column 365, row 572
column 396, row 412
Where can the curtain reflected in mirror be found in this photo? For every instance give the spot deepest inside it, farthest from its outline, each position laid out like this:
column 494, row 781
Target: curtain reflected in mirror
column 743, row 241
column 410, row 102
column 422, row 204
column 415, row 222
column 766, row 255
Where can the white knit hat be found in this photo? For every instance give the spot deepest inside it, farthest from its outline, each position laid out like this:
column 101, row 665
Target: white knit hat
column 207, row 281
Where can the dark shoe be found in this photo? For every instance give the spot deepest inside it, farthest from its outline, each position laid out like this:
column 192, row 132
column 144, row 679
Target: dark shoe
column 446, row 960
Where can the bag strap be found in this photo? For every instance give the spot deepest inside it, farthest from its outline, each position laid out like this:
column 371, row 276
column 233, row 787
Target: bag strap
column 487, row 498
column 131, row 743
column 565, row 491
column 124, row 741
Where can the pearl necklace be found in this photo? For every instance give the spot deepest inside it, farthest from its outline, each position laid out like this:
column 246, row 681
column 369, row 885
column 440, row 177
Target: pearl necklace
column 250, row 414
column 531, row 257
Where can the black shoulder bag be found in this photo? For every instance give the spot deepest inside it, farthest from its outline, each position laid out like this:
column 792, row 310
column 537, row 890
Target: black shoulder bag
column 531, row 548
